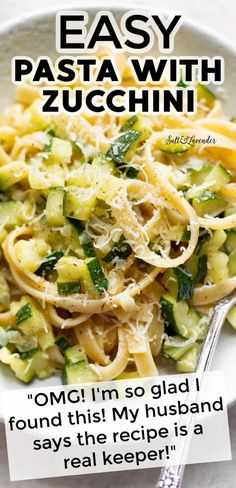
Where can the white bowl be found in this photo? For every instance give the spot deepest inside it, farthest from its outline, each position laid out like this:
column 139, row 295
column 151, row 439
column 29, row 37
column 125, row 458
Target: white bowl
column 34, row 36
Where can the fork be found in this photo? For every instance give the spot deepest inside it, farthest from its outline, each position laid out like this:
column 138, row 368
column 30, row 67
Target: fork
column 172, row 476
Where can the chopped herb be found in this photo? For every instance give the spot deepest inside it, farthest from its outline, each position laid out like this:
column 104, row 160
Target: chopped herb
column 24, row 313
column 181, row 84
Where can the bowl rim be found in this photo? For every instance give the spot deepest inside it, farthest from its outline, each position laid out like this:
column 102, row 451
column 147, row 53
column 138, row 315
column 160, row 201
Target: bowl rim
column 99, row 5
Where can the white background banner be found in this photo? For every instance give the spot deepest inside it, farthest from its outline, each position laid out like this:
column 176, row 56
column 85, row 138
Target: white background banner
column 119, row 425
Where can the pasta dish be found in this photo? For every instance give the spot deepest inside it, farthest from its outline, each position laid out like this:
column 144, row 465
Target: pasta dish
column 117, row 237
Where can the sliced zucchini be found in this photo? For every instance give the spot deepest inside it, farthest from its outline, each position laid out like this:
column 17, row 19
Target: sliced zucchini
column 209, row 203
column 41, row 365
column 179, row 318
column 202, row 240
column 192, row 265
column 85, row 241
column 75, row 354
column 21, row 367
column 217, row 267
column 197, row 267
column 129, row 123
column 141, row 123
column 185, row 283
column 175, row 347
column 202, row 269
column 216, row 175
column 179, row 282
column 31, row 321
column 81, row 177
column 97, row 274
column 175, row 148
column 197, row 325
column 68, row 287
column 103, row 165
column 31, row 253
column 44, row 179
column 72, row 239
column 79, row 203
column 120, row 250
column 199, row 173
column 59, row 151
column 70, row 268
column 12, row 173
column 212, row 244
column 77, row 369
column 49, row 263
column 63, row 343
column 54, row 207
column 10, row 214
column 74, row 374
column 122, row 145
column 174, row 314
column 188, row 362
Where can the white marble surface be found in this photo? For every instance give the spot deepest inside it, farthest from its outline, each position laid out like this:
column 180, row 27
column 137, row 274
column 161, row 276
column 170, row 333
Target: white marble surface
column 219, row 15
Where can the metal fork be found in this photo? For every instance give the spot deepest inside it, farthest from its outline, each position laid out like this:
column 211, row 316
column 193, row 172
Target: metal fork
column 172, row 476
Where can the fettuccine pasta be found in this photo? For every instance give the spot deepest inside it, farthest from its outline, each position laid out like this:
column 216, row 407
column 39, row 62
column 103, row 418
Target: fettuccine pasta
column 117, row 237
